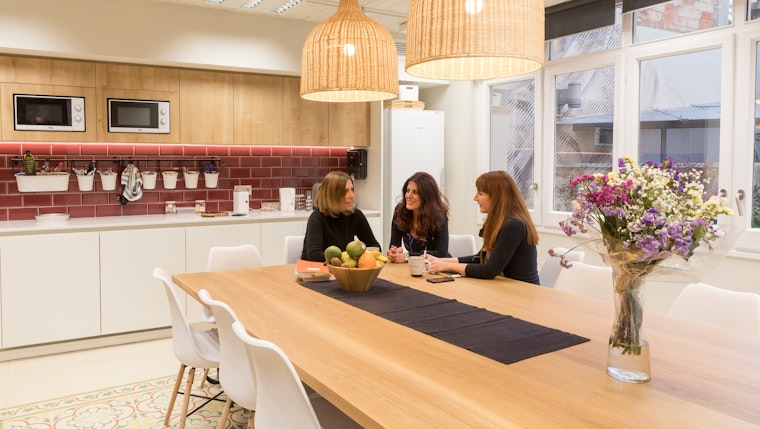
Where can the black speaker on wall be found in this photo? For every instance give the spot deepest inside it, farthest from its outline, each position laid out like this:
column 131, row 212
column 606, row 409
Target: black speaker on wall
column 356, row 163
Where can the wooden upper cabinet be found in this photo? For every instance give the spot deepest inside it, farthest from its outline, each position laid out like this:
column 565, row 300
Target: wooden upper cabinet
column 306, row 122
column 258, row 108
column 137, row 77
column 206, row 107
column 349, row 124
column 43, row 71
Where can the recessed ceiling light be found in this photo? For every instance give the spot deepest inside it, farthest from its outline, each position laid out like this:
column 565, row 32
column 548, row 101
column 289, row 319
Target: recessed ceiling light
column 285, row 6
column 251, row 4
column 215, row 2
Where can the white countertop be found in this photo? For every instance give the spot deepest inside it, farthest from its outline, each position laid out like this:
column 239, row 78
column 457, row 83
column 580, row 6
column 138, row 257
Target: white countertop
column 183, row 217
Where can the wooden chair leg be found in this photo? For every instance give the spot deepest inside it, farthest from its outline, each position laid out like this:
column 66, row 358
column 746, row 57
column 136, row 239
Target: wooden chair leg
column 186, row 399
column 251, row 414
column 225, row 413
column 205, row 375
column 174, row 393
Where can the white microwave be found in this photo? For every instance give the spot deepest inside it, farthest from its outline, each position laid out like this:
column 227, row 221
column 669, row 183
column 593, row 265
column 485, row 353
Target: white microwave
column 48, row 113
column 138, row 116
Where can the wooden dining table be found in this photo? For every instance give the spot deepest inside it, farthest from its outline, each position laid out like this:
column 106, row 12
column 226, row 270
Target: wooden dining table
column 386, row 375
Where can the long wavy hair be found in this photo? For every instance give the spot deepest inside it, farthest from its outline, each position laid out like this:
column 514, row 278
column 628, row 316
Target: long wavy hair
column 434, row 207
column 506, row 203
column 331, row 194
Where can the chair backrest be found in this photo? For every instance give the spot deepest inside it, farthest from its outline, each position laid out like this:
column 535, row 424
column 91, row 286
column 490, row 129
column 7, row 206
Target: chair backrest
column 588, row 280
column 462, row 245
column 715, row 306
column 293, row 248
column 235, row 373
column 551, row 268
column 233, row 257
column 281, row 398
column 192, row 347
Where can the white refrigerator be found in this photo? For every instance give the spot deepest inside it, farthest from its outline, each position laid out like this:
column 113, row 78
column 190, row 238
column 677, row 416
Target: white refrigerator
column 412, row 142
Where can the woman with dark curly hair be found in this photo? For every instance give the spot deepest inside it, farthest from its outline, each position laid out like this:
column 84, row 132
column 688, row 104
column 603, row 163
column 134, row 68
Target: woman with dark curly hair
column 420, row 220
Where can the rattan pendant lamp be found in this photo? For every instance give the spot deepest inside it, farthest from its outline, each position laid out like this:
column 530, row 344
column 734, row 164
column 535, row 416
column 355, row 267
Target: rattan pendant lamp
column 474, row 39
column 349, row 58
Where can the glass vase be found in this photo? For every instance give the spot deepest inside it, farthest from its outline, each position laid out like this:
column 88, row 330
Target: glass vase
column 628, row 349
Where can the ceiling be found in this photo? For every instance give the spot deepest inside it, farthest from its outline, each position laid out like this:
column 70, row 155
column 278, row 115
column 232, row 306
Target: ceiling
column 391, row 14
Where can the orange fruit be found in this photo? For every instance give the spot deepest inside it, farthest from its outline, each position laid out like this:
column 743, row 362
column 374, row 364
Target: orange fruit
column 366, row 261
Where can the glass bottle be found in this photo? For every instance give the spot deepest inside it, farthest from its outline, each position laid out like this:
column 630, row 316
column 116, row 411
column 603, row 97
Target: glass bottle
column 30, row 165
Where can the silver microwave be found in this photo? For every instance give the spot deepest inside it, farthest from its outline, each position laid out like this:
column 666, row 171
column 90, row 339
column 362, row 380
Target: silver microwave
column 138, row 116
column 48, row 113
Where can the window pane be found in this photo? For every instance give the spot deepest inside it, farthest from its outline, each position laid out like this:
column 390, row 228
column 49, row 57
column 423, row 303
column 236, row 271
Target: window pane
column 512, row 128
column 680, row 17
column 753, row 10
column 756, row 154
column 589, row 41
column 583, row 129
column 679, row 112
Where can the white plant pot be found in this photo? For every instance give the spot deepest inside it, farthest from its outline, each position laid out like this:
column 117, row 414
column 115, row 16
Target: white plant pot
column 149, row 179
column 191, row 179
column 211, row 179
column 170, row 179
column 108, row 180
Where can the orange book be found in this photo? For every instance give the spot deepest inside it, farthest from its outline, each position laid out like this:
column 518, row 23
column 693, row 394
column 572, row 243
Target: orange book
column 309, row 271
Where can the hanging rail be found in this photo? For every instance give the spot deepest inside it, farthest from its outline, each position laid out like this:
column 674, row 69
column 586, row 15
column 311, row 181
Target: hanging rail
column 119, row 162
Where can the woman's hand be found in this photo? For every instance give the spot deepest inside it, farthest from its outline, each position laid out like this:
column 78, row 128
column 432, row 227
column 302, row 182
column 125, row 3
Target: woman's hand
column 396, row 255
column 436, row 265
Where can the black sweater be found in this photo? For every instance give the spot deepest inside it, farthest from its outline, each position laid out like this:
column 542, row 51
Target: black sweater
column 511, row 256
column 437, row 246
column 324, row 231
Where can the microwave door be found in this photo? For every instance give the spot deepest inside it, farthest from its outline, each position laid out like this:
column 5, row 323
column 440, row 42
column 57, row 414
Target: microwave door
column 127, row 116
column 43, row 113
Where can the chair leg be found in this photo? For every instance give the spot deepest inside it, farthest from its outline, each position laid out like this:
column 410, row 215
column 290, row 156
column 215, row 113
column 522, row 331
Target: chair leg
column 225, row 413
column 174, row 394
column 203, row 379
column 186, row 399
column 251, row 414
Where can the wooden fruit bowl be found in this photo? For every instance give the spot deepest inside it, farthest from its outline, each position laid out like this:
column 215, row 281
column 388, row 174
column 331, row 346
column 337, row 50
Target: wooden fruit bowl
column 355, row 279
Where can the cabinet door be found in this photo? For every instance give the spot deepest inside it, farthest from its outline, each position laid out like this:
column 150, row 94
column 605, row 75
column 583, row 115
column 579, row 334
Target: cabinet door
column 349, row 124
column 205, row 107
column 50, row 288
column 306, row 122
column 45, row 71
column 200, row 239
column 258, row 110
column 273, row 240
column 131, row 298
column 137, row 77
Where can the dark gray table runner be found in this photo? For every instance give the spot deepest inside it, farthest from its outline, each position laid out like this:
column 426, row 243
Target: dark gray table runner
column 502, row 338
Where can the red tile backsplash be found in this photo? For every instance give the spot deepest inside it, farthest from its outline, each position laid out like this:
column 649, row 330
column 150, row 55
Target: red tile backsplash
column 265, row 168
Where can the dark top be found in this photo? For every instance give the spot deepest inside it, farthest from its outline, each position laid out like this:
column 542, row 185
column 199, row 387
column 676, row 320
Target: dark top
column 324, row 231
column 511, row 256
column 437, row 246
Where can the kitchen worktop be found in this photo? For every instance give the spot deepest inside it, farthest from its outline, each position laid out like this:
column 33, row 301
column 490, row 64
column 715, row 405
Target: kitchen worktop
column 183, row 217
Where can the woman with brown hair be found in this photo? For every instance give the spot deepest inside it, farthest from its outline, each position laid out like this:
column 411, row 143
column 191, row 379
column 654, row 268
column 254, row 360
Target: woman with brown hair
column 336, row 221
column 509, row 236
column 420, row 220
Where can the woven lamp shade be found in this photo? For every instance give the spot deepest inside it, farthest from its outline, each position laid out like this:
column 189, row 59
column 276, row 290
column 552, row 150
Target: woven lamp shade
column 349, row 58
column 474, row 39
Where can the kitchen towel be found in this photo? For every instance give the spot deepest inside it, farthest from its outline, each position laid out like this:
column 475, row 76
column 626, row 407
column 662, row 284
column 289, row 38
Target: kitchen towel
column 131, row 181
column 503, row 338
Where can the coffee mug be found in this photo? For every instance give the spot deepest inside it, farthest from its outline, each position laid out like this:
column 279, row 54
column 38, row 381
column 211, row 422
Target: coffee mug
column 417, row 265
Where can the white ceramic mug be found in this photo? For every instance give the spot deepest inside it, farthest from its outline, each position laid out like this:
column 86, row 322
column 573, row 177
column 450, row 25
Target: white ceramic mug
column 417, row 265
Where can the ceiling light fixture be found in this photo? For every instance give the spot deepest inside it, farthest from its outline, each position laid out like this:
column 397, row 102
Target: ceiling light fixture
column 474, row 39
column 349, row 58
column 215, row 2
column 251, row 4
column 285, row 6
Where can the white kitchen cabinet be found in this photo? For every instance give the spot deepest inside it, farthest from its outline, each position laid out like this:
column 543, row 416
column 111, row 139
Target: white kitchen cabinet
column 273, row 240
column 50, row 288
column 131, row 299
column 199, row 239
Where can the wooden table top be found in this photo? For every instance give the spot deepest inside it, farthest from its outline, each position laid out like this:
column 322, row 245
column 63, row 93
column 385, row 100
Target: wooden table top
column 385, row 375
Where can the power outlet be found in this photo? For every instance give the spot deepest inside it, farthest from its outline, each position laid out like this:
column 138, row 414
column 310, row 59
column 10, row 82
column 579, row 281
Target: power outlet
column 248, row 188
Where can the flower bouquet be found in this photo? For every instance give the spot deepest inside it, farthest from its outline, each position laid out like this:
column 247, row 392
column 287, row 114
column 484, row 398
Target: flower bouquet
column 641, row 216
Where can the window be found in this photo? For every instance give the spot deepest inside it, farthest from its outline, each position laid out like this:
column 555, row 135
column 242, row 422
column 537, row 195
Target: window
column 600, row 39
column 680, row 17
column 512, row 133
column 755, row 205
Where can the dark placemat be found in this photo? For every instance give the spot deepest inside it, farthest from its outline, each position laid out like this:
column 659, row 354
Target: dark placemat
column 502, row 338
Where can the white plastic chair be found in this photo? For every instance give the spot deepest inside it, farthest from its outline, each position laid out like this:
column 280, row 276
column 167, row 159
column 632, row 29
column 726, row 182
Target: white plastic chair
column 551, row 268
column 293, row 248
column 588, row 280
column 281, row 400
column 235, row 375
column 462, row 245
column 222, row 258
column 193, row 348
column 715, row 306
